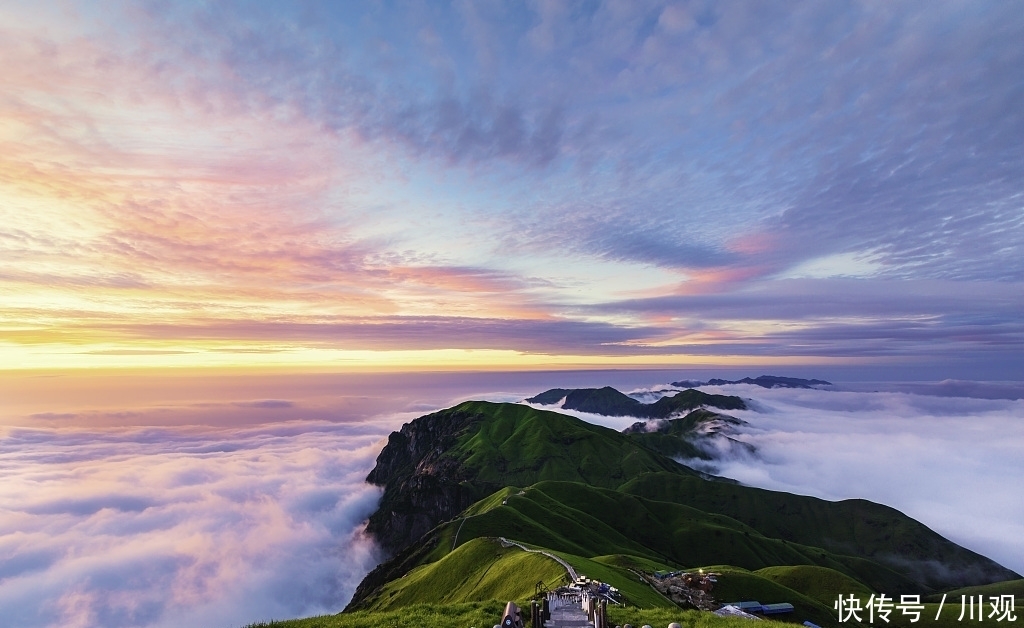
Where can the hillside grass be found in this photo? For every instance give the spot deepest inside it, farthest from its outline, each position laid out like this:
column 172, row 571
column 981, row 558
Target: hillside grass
column 818, row 583
column 586, row 523
column 1009, row 587
column 859, row 533
column 625, row 561
column 477, row 571
column 949, row 618
column 739, row 585
column 661, row 617
column 637, row 592
column 516, row 445
column 589, row 521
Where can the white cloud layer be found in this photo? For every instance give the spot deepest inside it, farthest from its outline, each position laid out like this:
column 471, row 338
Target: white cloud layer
column 183, row 526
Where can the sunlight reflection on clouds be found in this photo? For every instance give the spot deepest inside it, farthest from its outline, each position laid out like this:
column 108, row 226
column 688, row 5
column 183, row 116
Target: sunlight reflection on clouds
column 176, row 526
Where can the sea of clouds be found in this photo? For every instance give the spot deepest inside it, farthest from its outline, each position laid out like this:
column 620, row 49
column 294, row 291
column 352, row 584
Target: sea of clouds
column 183, row 526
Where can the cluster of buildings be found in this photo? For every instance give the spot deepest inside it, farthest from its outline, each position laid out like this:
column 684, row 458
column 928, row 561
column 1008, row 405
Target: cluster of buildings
column 694, row 589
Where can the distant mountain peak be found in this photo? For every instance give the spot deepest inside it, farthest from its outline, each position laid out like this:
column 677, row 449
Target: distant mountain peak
column 764, row 381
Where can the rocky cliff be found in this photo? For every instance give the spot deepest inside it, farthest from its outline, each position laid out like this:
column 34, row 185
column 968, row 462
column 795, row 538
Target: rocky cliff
column 424, row 483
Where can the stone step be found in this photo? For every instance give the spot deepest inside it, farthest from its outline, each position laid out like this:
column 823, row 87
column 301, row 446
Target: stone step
column 568, row 617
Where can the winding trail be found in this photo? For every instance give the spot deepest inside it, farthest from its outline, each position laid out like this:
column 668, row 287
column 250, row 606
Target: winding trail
column 507, row 543
column 456, row 539
column 566, row 610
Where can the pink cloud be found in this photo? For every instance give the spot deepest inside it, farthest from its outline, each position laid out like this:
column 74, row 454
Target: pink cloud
column 129, row 527
column 176, row 195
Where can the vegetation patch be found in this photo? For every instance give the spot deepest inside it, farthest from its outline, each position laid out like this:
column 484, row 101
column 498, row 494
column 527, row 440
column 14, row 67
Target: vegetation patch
column 477, row 571
column 819, row 583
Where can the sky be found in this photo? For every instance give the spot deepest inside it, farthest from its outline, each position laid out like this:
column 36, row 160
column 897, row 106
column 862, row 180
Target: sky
column 467, row 185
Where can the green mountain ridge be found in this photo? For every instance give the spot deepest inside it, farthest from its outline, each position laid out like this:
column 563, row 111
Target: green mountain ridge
column 440, row 464
column 457, row 480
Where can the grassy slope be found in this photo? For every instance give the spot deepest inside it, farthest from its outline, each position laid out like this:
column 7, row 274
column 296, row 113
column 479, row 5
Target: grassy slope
column 852, row 527
column 688, row 619
column 637, row 593
column 1010, row 587
column 479, row 570
column 671, row 445
column 739, row 585
column 819, row 583
column 603, row 533
column 582, row 522
column 625, row 561
column 674, row 437
column 587, row 521
column 685, row 425
column 518, row 446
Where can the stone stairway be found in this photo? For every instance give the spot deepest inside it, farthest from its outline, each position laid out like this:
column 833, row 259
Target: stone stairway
column 569, row 616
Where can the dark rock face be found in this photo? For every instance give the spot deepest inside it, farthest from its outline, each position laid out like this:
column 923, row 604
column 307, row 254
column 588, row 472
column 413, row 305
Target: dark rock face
column 424, row 485
column 549, row 397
